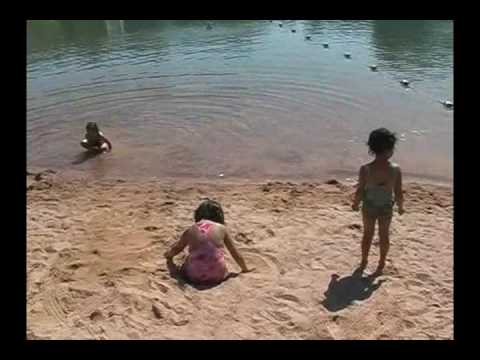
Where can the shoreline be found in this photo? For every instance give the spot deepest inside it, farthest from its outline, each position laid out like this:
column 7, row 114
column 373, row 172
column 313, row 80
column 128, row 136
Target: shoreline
column 343, row 176
column 95, row 268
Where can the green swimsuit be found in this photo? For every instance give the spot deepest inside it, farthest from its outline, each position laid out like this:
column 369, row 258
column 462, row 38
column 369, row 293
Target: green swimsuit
column 378, row 201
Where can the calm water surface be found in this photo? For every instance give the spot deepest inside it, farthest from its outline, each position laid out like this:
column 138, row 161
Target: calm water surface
column 248, row 99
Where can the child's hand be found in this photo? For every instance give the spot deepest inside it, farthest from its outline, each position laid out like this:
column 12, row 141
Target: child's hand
column 355, row 207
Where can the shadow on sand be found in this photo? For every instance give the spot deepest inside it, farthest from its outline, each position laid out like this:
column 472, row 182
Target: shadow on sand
column 342, row 292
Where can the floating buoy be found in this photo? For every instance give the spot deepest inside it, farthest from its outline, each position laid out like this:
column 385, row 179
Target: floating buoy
column 347, row 55
column 209, row 27
column 448, row 104
column 325, row 45
column 405, row 82
column 373, row 67
column 280, row 25
column 271, row 21
column 308, row 37
column 293, row 30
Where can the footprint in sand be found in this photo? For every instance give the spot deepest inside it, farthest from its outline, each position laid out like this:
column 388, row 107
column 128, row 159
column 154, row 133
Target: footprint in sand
column 409, row 324
column 322, row 328
column 243, row 238
column 55, row 307
column 317, row 264
column 414, row 283
column 50, row 249
column 423, row 277
column 415, row 306
column 277, row 317
column 289, row 298
column 101, row 206
column 151, row 228
column 96, row 315
column 78, row 293
column 133, row 335
column 75, row 265
column 293, row 303
column 159, row 286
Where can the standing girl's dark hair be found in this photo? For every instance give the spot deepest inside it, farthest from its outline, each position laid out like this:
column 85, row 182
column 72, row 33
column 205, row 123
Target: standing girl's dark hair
column 380, row 141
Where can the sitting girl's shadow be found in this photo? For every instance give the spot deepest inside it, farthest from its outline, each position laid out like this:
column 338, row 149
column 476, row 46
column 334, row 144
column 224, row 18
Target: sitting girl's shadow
column 178, row 274
column 343, row 292
column 85, row 156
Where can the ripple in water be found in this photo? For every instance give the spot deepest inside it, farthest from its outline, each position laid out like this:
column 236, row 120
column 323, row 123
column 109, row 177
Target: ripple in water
column 246, row 98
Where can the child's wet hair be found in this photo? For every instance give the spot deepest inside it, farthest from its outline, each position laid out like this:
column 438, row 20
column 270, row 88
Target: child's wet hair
column 381, row 140
column 92, row 126
column 209, row 210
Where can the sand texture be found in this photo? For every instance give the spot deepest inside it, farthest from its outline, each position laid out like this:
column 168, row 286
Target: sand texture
column 95, row 268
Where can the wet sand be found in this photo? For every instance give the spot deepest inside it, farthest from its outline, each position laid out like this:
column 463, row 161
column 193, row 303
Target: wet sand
column 95, row 268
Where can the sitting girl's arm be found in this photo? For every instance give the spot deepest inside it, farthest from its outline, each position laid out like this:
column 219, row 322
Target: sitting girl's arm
column 360, row 188
column 235, row 254
column 178, row 247
column 399, row 191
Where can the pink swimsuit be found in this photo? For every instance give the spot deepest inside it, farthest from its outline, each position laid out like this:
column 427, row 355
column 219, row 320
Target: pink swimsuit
column 206, row 262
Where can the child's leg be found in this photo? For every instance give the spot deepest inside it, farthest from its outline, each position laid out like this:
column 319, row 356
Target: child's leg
column 368, row 232
column 384, row 234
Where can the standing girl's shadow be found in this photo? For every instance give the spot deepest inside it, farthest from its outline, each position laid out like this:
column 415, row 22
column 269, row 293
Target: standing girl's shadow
column 177, row 273
column 343, row 292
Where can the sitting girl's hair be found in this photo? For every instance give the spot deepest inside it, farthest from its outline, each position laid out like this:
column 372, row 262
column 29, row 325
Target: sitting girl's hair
column 209, row 210
column 381, row 140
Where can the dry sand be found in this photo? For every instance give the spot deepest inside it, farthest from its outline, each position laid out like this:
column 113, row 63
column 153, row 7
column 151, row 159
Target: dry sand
column 95, row 266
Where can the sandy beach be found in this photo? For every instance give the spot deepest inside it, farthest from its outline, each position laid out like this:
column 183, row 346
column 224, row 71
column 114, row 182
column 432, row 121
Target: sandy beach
column 95, row 268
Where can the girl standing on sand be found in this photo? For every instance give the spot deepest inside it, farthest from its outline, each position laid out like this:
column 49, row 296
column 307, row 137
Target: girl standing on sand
column 378, row 182
column 206, row 240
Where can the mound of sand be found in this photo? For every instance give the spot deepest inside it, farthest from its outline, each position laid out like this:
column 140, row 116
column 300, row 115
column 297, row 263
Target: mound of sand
column 95, row 266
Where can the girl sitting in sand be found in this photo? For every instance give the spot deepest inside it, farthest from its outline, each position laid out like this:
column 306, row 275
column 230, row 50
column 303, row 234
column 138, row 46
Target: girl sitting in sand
column 206, row 239
column 95, row 140
column 378, row 181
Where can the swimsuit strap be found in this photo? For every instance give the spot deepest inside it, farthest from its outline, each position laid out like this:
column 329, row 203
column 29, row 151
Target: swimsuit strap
column 204, row 227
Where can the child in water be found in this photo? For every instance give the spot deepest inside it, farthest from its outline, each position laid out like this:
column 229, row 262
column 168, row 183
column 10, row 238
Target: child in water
column 378, row 182
column 95, row 140
column 206, row 240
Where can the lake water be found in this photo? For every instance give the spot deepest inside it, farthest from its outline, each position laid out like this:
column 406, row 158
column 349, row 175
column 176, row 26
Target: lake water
column 248, row 99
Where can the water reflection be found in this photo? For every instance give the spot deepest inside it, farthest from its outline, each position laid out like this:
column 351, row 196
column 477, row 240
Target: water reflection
column 43, row 35
column 414, row 47
column 90, row 39
column 132, row 26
